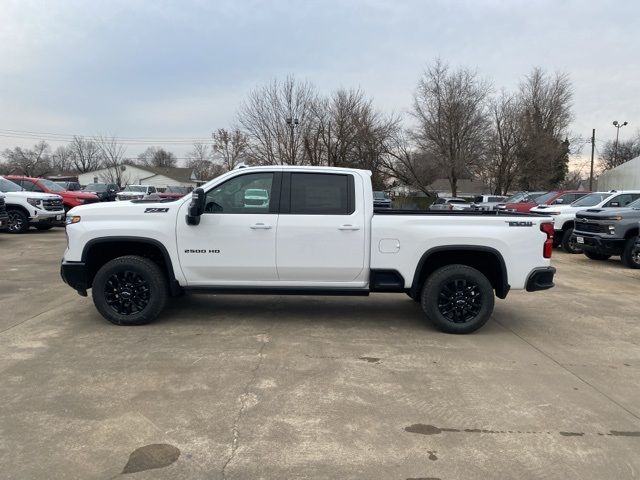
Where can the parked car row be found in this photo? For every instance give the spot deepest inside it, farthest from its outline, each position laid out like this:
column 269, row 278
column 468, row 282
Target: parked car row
column 40, row 203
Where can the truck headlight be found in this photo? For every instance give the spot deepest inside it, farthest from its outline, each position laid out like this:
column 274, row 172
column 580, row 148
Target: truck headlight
column 612, row 230
column 35, row 202
column 72, row 220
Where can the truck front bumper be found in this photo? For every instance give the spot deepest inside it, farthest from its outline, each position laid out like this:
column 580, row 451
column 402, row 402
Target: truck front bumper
column 75, row 275
column 540, row 279
column 44, row 216
column 599, row 243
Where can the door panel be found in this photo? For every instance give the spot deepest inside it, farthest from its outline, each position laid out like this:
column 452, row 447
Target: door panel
column 235, row 242
column 321, row 237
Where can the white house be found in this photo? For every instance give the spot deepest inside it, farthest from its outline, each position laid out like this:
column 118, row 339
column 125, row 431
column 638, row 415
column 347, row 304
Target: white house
column 623, row 177
column 134, row 175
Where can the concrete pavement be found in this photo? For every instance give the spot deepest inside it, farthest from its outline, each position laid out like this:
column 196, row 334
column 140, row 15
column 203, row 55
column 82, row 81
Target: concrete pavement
column 317, row 387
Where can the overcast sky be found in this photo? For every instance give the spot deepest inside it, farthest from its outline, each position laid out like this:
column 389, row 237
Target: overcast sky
column 180, row 69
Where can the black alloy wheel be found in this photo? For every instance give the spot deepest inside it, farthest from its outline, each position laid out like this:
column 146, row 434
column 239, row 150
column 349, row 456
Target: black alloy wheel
column 127, row 292
column 460, row 300
column 18, row 221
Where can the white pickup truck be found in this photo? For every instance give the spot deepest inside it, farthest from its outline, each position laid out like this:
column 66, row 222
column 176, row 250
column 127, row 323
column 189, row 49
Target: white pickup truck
column 24, row 209
column 318, row 235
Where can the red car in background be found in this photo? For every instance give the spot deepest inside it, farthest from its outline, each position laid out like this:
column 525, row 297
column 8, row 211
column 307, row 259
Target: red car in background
column 69, row 199
column 175, row 192
column 524, row 201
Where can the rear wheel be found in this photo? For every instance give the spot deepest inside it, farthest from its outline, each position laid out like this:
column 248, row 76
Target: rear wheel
column 457, row 299
column 597, row 256
column 569, row 245
column 631, row 253
column 18, row 221
column 130, row 290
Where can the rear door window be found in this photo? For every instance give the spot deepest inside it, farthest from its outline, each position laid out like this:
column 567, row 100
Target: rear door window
column 322, row 194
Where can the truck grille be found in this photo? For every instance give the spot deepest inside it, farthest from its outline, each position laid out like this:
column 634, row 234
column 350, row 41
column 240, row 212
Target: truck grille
column 52, row 205
column 584, row 226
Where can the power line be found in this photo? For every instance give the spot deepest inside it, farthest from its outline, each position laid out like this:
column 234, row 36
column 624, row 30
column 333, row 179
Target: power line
column 60, row 137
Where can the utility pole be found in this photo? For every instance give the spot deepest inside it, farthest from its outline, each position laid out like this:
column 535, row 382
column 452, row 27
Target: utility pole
column 292, row 123
column 593, row 147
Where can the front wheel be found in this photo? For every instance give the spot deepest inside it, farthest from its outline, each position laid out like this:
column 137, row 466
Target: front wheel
column 569, row 245
column 597, row 256
column 631, row 253
column 18, row 221
column 457, row 299
column 130, row 290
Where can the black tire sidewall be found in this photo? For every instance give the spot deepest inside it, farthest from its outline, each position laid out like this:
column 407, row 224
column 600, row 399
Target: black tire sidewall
column 433, row 286
column 149, row 271
column 627, row 253
column 566, row 242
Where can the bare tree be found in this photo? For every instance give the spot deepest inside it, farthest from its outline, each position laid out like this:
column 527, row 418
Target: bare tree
column 157, row 157
column 113, row 161
column 200, row 160
column 499, row 169
column 31, row 162
column 451, row 110
column 612, row 157
column 543, row 152
column 231, row 147
column 85, row 154
column 62, row 160
column 264, row 117
column 409, row 166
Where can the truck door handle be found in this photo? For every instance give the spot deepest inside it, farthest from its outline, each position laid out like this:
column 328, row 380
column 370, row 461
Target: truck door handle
column 348, row 226
column 260, row 226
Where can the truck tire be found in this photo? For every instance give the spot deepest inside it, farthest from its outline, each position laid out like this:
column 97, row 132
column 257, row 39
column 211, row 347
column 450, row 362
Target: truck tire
column 631, row 254
column 568, row 245
column 130, row 290
column 597, row 256
column 18, row 221
column 457, row 299
column 414, row 298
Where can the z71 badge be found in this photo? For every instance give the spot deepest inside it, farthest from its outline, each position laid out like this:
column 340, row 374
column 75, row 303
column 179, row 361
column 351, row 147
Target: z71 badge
column 156, row 210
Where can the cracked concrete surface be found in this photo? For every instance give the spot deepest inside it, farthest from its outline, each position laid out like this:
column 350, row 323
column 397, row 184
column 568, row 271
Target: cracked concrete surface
column 311, row 387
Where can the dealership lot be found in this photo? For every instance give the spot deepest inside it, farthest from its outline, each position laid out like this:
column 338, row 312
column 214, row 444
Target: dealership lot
column 313, row 387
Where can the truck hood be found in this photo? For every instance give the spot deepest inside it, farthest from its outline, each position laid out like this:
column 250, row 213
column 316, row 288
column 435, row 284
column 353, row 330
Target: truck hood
column 143, row 208
column 602, row 213
column 556, row 208
column 25, row 194
column 79, row 195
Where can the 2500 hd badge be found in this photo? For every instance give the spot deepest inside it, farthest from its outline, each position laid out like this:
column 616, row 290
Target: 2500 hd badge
column 189, row 250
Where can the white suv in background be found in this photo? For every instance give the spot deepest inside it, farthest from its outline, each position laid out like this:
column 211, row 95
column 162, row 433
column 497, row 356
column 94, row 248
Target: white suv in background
column 135, row 192
column 564, row 215
column 25, row 209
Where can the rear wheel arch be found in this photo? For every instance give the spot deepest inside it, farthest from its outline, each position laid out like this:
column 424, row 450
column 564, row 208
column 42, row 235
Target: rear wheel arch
column 99, row 251
column 486, row 260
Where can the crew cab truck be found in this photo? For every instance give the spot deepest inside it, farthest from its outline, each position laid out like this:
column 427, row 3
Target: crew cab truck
column 564, row 215
column 24, row 209
column 605, row 232
column 318, row 234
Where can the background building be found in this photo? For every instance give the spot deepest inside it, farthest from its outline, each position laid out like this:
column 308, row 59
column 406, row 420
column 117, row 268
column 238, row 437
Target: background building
column 623, row 177
column 134, row 175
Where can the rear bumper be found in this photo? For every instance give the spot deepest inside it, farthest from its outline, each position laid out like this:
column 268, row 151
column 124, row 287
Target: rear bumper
column 600, row 244
column 75, row 275
column 540, row 279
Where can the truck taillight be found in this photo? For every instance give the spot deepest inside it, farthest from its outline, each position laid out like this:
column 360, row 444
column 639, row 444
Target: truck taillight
column 547, row 249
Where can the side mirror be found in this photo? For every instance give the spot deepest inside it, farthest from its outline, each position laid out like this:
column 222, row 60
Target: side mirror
column 196, row 207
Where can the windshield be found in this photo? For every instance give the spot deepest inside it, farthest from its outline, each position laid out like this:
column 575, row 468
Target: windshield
column 379, row 195
column 135, row 188
column 53, row 186
column 543, row 199
column 177, row 189
column 256, row 192
column 96, row 187
column 518, row 197
column 590, row 200
column 9, row 186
